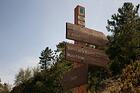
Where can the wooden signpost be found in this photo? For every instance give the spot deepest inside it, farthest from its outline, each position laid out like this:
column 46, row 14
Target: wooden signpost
column 86, row 35
column 79, row 19
column 80, row 54
column 74, row 78
column 86, row 55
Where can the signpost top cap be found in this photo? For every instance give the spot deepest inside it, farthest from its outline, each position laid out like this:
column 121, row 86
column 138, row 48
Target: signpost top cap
column 80, row 10
column 79, row 6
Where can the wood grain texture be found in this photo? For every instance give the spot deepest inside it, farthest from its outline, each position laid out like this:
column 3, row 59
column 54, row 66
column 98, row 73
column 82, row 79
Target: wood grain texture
column 86, row 35
column 85, row 55
column 76, row 77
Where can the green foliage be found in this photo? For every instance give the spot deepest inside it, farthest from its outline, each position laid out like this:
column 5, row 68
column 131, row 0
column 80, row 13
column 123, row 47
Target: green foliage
column 96, row 76
column 46, row 58
column 127, row 82
column 47, row 80
column 23, row 76
column 124, row 45
column 124, row 48
column 4, row 88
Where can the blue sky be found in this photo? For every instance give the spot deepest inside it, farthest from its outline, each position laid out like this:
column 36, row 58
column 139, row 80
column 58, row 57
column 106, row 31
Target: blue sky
column 28, row 26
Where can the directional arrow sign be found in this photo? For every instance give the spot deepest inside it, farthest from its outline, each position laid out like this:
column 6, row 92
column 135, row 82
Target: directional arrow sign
column 75, row 77
column 82, row 34
column 75, row 53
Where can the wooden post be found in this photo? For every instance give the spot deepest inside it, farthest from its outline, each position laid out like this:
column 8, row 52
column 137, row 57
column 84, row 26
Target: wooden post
column 79, row 19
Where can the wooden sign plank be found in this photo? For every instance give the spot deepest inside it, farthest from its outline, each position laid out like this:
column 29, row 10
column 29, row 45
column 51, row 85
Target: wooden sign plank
column 86, row 55
column 75, row 77
column 83, row 34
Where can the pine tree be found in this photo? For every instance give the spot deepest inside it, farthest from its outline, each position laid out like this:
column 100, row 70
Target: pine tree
column 124, row 45
column 46, row 58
